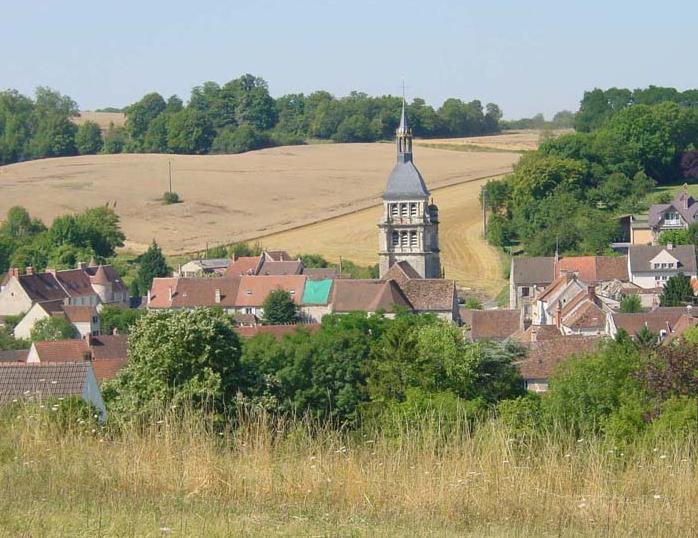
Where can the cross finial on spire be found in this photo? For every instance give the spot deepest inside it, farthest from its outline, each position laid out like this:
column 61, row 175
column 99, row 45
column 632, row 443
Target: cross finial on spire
column 402, row 129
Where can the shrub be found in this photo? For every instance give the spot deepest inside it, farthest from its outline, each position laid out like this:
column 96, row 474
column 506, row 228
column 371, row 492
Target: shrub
column 170, row 197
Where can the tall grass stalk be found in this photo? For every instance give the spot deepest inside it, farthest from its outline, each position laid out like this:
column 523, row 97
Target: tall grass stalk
column 182, row 475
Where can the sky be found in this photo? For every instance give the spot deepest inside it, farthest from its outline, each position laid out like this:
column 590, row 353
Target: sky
column 528, row 57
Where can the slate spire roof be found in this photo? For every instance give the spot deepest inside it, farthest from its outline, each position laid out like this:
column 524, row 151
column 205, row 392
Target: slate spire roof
column 405, row 182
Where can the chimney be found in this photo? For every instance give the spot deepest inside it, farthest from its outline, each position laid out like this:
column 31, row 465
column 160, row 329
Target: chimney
column 14, row 271
column 30, row 270
column 115, row 332
column 88, row 339
column 82, row 265
column 169, row 292
column 534, row 333
column 148, row 298
column 591, row 291
column 87, row 356
column 51, row 270
column 558, row 314
column 670, row 245
column 218, row 295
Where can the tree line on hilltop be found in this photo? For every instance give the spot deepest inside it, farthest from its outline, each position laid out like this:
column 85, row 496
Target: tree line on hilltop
column 237, row 116
column 567, row 194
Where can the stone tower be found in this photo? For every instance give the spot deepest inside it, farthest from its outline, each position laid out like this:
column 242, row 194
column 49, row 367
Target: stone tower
column 409, row 227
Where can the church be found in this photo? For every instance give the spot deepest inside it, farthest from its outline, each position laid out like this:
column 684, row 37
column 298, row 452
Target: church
column 409, row 227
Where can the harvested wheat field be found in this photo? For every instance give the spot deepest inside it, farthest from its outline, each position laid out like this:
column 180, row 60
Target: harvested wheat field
column 228, row 198
column 103, row 119
column 465, row 255
column 524, row 140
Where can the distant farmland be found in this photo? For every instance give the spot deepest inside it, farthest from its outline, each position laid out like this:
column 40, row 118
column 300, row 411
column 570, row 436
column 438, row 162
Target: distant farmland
column 103, row 119
column 228, row 198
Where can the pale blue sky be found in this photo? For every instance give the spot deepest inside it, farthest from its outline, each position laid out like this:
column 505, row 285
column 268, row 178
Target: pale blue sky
column 532, row 56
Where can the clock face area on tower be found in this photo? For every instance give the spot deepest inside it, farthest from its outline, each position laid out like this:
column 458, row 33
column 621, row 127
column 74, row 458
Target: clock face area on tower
column 409, row 227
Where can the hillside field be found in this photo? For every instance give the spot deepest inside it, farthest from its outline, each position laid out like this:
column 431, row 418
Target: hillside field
column 228, row 198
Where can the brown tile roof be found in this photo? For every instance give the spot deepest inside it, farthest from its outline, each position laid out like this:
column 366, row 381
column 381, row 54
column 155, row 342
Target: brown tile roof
column 13, row 355
column 612, row 268
column 321, row 273
column 193, row 292
column 278, row 331
column 109, row 347
column 41, row 287
column 401, row 272
column 533, row 270
column 281, row 268
column 103, row 274
column 61, row 350
column 79, row 314
column 431, row 294
column 594, row 269
column 684, row 322
column 659, row 319
column 536, row 333
column 245, row 319
column 34, row 381
column 587, row 316
column 544, row 356
column 76, row 282
column 367, row 296
column 558, row 284
column 243, row 265
column 493, row 324
column 253, row 290
column 585, row 266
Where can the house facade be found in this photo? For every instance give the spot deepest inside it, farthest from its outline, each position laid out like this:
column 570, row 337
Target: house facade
column 650, row 266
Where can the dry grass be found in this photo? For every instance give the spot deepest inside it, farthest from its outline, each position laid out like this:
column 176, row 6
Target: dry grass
column 228, row 198
column 103, row 119
column 523, row 140
column 180, row 479
column 465, row 255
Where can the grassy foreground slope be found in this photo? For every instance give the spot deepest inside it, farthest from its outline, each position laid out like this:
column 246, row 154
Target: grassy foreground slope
column 181, row 479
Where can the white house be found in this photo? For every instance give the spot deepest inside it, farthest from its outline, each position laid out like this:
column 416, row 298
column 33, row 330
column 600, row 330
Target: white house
column 650, row 266
column 85, row 319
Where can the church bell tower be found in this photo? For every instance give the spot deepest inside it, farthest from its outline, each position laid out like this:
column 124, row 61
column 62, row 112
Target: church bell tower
column 409, row 228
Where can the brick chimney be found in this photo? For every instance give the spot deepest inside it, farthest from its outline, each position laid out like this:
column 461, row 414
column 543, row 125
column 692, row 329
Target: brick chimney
column 218, row 295
column 169, row 292
column 87, row 356
column 30, row 270
column 558, row 315
column 534, row 333
column 88, row 339
column 14, row 271
column 148, row 298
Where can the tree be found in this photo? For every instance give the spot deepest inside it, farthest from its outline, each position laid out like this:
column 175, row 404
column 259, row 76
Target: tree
column 677, row 291
column 152, row 264
column 689, row 165
column 114, row 139
column 178, row 358
column 139, row 115
column 190, row 132
column 239, row 140
column 52, row 328
column 675, row 237
column 279, row 308
column 89, row 138
column 113, row 318
column 630, row 304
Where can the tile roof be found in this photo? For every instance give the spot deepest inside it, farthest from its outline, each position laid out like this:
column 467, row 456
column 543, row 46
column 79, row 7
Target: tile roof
column 612, row 268
column 243, row 265
column 431, row 294
column 278, row 331
column 536, row 333
column 594, row 269
column 29, row 381
column 61, row 350
column 533, row 270
column 294, row 267
column 13, row 355
column 277, row 255
column 41, row 287
column 109, row 347
column 544, row 355
column 193, row 292
column 493, row 324
column 321, row 273
column 640, row 256
column 79, row 314
column 103, row 274
column 76, row 282
column 682, row 202
column 587, row 316
column 659, row 319
column 401, row 272
column 253, row 290
column 367, row 296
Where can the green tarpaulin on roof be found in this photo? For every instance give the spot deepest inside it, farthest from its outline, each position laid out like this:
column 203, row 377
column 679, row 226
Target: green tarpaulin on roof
column 317, row 291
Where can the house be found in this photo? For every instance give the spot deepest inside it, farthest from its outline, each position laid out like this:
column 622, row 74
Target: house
column 107, row 354
column 85, row 286
column 650, row 266
column 369, row 296
column 661, row 320
column 13, row 355
column 678, row 214
column 187, row 293
column 527, row 276
column 433, row 296
column 38, row 382
column 269, row 262
column 535, row 333
column 544, row 356
column 254, row 290
column 315, row 302
column 84, row 319
column 494, row 325
column 211, row 267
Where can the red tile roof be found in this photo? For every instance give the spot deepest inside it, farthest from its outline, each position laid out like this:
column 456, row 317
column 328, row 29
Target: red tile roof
column 544, row 356
column 492, row 324
column 108, row 353
column 659, row 319
column 536, row 333
column 79, row 314
column 367, row 296
column 61, row 350
column 243, row 265
column 253, row 290
column 401, row 272
column 175, row 292
column 594, row 269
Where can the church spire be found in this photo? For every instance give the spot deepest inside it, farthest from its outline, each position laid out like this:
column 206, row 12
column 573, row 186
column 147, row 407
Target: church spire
column 403, row 136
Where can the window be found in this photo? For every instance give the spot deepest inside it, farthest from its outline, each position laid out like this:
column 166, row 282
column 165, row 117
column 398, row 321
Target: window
column 403, row 239
column 95, row 319
column 248, row 310
column 525, row 290
column 403, row 210
column 396, row 239
column 664, row 266
column 393, row 211
column 413, row 239
column 413, row 210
